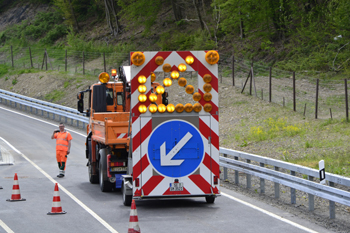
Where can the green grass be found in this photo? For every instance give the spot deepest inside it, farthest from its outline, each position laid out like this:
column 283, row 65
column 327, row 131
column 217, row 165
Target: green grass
column 54, row 96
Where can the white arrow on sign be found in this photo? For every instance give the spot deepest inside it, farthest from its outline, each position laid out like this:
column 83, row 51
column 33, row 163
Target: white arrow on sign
column 166, row 159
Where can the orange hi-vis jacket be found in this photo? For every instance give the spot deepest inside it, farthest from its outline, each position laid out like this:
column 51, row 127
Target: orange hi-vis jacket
column 62, row 140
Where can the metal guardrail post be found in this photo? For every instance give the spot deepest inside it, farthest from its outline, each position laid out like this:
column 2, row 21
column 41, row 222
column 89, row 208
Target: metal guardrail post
column 262, row 181
column 331, row 205
column 293, row 198
column 277, row 186
column 236, row 173
column 225, row 170
column 249, row 178
column 311, row 197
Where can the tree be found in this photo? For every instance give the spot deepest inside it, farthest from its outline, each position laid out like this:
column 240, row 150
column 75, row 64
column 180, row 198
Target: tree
column 67, row 9
column 111, row 16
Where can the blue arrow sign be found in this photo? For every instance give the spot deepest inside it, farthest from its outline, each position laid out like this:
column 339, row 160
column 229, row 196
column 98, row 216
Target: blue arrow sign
column 175, row 148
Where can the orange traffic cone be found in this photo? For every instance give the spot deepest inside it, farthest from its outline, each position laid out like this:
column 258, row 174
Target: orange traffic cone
column 134, row 221
column 56, row 203
column 16, row 194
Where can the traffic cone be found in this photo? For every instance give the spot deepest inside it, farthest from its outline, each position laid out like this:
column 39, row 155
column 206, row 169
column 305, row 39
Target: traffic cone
column 134, row 221
column 16, row 194
column 56, row 203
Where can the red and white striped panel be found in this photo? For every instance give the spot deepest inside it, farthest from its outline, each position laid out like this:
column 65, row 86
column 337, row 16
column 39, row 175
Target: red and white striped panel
column 201, row 181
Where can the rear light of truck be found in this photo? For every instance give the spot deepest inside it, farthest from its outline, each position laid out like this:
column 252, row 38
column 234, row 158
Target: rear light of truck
column 216, row 180
column 137, row 182
column 118, row 164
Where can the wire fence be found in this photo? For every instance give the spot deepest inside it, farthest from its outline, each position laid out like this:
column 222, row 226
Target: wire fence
column 294, row 90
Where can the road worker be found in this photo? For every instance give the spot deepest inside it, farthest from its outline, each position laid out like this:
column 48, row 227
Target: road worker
column 63, row 144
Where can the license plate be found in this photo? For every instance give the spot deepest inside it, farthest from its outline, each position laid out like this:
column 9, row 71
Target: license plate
column 119, row 169
column 177, row 186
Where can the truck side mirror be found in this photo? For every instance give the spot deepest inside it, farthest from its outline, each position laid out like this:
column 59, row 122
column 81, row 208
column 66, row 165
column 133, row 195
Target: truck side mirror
column 81, row 105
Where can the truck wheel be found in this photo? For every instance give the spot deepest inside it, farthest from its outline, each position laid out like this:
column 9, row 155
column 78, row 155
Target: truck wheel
column 105, row 185
column 92, row 178
column 210, row 199
column 126, row 198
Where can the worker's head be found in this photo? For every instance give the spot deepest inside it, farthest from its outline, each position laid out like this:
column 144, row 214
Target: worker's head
column 61, row 127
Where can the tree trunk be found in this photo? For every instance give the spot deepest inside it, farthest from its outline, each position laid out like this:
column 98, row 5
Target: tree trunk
column 196, row 5
column 176, row 10
column 73, row 15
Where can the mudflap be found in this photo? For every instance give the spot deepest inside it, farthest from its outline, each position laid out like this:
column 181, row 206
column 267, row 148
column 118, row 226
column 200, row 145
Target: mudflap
column 119, row 180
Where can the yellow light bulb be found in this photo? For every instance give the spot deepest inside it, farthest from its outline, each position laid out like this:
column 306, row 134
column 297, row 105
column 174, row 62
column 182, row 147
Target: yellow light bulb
column 207, row 107
column 207, row 78
column 167, row 82
column 212, row 57
column 152, row 108
column 182, row 82
column 189, row 89
column 197, row 96
column 166, row 67
column 142, row 108
column 161, row 108
column 182, row 67
column 188, row 107
column 138, row 58
column 142, row 89
column 179, row 108
column 207, row 87
column 175, row 74
column 197, row 107
column 142, row 98
column 152, row 97
column 153, row 77
column 142, row 79
column 103, row 77
column 159, row 60
column 189, row 60
column 207, row 97
column 170, row 108
column 160, row 90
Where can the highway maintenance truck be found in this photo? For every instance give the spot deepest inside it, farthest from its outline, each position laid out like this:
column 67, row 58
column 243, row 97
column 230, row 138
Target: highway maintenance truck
column 139, row 141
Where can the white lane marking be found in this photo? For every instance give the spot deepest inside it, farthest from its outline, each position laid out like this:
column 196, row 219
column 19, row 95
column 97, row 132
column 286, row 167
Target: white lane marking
column 269, row 213
column 40, row 120
column 87, row 209
column 5, row 227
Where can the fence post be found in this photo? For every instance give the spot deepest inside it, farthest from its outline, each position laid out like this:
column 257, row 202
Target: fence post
column 293, row 198
column 346, row 100
column 277, row 186
column 65, row 62
column 236, row 173
column 13, row 65
column 225, row 170
column 31, row 59
column 311, row 197
column 270, row 84
column 294, row 101
column 83, row 63
column 249, row 178
column 304, row 109
column 233, row 70
column 331, row 205
column 45, row 59
column 316, row 105
column 262, row 181
column 104, row 62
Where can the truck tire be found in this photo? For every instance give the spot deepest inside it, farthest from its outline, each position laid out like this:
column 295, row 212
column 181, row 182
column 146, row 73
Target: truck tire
column 92, row 178
column 210, row 199
column 126, row 198
column 105, row 185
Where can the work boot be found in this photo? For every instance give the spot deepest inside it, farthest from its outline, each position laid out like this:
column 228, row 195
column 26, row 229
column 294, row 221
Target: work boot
column 60, row 175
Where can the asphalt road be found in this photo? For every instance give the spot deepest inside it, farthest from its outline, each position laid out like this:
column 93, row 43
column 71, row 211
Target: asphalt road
column 28, row 141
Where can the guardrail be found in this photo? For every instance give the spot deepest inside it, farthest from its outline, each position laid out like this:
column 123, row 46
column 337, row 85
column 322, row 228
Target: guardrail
column 42, row 107
column 271, row 169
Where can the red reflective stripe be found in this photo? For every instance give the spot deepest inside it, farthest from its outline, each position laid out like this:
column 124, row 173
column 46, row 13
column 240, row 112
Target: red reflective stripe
column 142, row 135
column 141, row 165
column 151, row 184
column 207, row 132
column 201, row 183
column 211, row 164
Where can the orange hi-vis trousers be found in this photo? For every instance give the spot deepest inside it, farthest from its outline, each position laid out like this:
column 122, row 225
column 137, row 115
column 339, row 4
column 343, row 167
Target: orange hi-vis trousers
column 61, row 157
